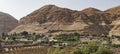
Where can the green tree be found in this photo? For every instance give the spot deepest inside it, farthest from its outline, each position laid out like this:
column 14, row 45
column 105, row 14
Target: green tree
column 103, row 50
column 77, row 51
column 24, row 33
column 49, row 51
column 90, row 48
column 56, row 51
column 76, row 34
column 34, row 33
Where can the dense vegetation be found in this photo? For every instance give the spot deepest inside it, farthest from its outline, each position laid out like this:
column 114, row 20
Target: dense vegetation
column 74, row 44
column 68, row 37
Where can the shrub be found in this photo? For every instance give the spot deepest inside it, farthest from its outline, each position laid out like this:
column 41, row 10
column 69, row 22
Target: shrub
column 24, row 33
column 102, row 50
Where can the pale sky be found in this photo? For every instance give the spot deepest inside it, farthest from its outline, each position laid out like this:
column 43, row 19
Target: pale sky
column 20, row 8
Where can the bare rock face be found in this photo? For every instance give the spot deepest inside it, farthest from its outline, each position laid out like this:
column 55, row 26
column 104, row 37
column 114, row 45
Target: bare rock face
column 115, row 15
column 51, row 17
column 115, row 11
column 7, row 22
column 116, row 27
column 100, row 24
column 49, row 13
column 115, row 31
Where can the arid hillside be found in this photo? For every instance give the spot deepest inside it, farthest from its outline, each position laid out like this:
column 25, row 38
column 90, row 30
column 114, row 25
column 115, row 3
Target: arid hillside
column 56, row 20
column 115, row 18
column 7, row 22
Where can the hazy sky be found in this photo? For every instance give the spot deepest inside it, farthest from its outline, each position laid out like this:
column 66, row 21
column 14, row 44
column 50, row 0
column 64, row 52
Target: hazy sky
column 20, row 8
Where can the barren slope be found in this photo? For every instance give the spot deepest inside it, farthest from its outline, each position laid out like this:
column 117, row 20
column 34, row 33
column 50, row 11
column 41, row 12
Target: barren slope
column 53, row 18
column 7, row 22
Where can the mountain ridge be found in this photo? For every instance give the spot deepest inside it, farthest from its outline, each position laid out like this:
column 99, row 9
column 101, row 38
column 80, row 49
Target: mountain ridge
column 89, row 20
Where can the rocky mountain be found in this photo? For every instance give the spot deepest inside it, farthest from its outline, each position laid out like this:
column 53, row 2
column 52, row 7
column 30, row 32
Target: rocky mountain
column 7, row 22
column 56, row 20
column 115, row 16
column 100, row 23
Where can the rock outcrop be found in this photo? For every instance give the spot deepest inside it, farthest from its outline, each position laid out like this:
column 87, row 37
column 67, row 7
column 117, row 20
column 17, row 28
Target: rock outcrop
column 115, row 18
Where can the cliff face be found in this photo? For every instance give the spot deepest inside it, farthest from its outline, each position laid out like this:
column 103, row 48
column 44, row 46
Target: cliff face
column 51, row 17
column 7, row 22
